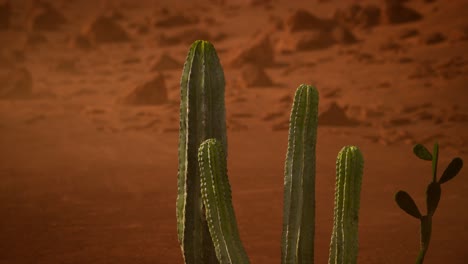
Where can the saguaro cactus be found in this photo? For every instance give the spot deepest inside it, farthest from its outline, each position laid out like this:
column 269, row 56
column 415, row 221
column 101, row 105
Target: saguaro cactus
column 299, row 179
column 202, row 116
column 216, row 194
column 344, row 240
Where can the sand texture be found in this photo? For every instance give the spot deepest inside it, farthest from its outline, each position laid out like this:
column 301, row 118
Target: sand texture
column 89, row 119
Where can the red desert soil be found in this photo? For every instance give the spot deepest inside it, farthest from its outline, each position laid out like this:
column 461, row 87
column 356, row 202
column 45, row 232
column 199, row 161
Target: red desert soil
column 89, row 176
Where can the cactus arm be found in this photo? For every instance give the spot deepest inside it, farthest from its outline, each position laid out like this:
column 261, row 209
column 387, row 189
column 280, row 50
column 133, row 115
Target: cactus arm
column 344, row 241
column 216, row 195
column 299, row 179
column 202, row 116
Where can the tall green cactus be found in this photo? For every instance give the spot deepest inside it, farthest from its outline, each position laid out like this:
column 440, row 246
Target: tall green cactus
column 344, row 240
column 216, row 194
column 299, row 179
column 202, row 116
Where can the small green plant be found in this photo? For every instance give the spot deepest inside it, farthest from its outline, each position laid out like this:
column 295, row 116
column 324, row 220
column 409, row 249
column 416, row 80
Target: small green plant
column 433, row 193
column 206, row 222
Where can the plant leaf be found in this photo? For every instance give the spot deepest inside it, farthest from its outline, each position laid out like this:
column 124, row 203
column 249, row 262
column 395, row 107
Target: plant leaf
column 407, row 204
column 432, row 197
column 421, row 152
column 452, row 170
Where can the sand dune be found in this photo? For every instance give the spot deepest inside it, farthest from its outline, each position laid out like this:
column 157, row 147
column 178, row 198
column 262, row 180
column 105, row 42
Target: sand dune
column 89, row 118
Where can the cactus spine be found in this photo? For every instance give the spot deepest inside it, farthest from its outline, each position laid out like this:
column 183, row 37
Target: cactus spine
column 216, row 194
column 344, row 240
column 299, row 179
column 202, row 116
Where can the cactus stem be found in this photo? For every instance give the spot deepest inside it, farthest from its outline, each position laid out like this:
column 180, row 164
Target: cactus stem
column 299, row 179
column 202, row 116
column 344, row 241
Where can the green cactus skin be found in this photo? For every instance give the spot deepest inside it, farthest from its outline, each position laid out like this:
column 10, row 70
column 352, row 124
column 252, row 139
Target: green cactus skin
column 299, row 179
column 216, row 195
column 344, row 241
column 202, row 116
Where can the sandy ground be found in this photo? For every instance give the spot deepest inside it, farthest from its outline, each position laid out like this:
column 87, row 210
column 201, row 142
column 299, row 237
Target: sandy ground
column 89, row 99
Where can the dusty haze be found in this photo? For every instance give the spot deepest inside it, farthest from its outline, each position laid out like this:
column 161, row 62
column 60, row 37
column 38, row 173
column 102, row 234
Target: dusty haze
column 89, row 101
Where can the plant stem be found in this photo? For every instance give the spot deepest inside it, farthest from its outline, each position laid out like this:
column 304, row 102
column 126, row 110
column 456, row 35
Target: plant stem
column 202, row 116
column 435, row 157
column 299, row 179
column 216, row 195
column 344, row 241
column 426, row 230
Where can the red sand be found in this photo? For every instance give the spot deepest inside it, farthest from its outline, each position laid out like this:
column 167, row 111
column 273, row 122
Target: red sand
column 85, row 178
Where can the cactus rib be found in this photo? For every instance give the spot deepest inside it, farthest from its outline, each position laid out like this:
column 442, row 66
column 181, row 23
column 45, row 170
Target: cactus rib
column 344, row 241
column 299, row 179
column 216, row 195
column 202, row 116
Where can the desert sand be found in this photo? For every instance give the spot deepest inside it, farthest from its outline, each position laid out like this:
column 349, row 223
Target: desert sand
column 89, row 102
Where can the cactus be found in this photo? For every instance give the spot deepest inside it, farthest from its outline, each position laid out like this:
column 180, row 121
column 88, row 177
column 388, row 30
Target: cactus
column 344, row 240
column 202, row 116
column 299, row 179
column 433, row 193
column 216, row 194
column 206, row 222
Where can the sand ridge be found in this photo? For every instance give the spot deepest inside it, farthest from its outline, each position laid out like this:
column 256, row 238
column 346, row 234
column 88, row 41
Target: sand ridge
column 89, row 118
